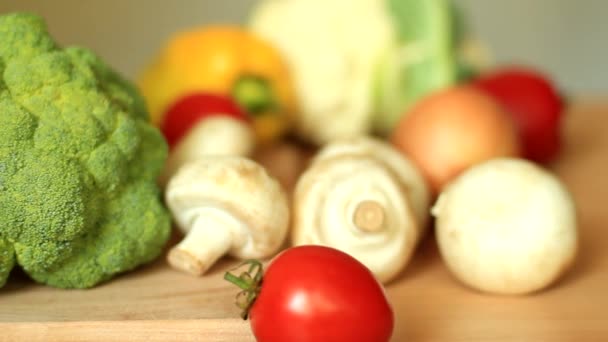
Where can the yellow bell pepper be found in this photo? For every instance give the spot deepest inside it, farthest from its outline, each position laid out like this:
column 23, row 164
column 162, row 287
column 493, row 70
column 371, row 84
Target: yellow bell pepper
column 225, row 60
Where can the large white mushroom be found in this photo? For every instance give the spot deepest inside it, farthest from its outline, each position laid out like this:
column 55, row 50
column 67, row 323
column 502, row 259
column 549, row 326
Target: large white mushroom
column 225, row 205
column 506, row 226
column 356, row 196
column 399, row 165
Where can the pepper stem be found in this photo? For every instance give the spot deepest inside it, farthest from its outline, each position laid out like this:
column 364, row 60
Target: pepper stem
column 254, row 94
column 249, row 282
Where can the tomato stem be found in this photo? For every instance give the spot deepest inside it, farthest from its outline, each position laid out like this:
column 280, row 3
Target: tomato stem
column 248, row 283
column 242, row 284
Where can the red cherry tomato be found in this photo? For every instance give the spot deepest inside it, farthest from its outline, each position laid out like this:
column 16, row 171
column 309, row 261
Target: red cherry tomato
column 320, row 294
column 535, row 106
column 190, row 109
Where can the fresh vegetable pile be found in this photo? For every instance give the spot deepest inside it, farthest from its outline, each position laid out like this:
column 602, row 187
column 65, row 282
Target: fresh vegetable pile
column 78, row 163
column 404, row 117
column 401, row 123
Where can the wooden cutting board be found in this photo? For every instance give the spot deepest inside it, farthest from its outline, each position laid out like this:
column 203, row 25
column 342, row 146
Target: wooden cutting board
column 156, row 303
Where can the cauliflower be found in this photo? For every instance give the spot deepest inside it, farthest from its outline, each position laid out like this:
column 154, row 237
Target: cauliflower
column 78, row 163
column 332, row 57
column 358, row 65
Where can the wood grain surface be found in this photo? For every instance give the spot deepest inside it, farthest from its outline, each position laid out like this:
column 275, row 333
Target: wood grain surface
column 155, row 303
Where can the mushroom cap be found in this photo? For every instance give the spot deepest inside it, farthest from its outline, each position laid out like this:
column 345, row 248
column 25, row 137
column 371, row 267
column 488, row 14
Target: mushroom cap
column 238, row 187
column 506, row 226
column 219, row 135
column 214, row 135
column 409, row 176
column 326, row 199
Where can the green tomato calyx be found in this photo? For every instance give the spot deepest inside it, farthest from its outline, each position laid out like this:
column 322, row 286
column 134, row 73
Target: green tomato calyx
column 249, row 281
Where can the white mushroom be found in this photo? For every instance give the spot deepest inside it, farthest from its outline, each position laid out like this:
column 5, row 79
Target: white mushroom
column 402, row 167
column 225, row 205
column 215, row 135
column 355, row 201
column 506, row 226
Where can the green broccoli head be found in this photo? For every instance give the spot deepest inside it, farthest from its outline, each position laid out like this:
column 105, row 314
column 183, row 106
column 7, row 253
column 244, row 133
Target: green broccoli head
column 78, row 163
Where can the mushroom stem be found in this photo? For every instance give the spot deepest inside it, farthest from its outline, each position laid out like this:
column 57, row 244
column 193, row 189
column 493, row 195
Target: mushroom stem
column 207, row 241
column 369, row 216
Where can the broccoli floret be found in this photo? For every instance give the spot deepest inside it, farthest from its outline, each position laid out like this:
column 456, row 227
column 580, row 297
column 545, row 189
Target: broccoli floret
column 78, row 163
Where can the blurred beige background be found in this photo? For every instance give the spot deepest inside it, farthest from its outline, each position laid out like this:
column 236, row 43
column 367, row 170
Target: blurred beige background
column 566, row 39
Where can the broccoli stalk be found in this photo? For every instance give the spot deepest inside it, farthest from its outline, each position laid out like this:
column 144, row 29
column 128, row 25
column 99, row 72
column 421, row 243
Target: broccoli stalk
column 78, row 163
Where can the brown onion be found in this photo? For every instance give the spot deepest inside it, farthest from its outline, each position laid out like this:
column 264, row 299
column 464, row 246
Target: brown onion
column 453, row 129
